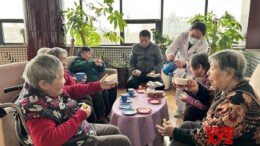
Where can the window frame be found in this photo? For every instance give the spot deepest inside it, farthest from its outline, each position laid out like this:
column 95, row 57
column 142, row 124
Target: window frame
column 2, row 42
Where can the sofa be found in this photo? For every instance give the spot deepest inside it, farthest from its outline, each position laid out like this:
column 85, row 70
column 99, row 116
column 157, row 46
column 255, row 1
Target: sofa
column 11, row 75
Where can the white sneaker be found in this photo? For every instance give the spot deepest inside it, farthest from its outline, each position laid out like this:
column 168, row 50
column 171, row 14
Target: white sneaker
column 178, row 114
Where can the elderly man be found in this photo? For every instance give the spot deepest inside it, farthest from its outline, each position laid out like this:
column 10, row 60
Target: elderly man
column 145, row 62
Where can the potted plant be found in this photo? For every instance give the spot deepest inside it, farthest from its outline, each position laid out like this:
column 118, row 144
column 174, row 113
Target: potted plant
column 163, row 41
column 222, row 32
column 80, row 22
column 122, row 72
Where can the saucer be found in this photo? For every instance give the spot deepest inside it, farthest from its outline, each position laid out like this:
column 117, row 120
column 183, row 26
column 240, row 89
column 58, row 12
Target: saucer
column 154, row 101
column 134, row 95
column 129, row 112
column 125, row 106
column 144, row 110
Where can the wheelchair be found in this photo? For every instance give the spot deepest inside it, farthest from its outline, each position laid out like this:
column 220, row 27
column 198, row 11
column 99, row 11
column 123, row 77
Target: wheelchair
column 21, row 130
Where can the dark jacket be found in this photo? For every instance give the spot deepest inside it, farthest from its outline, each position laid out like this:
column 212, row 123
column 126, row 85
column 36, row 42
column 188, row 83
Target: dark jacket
column 88, row 67
column 146, row 59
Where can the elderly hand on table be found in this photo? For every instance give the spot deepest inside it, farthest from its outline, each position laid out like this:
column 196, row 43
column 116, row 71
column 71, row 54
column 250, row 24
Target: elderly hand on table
column 166, row 129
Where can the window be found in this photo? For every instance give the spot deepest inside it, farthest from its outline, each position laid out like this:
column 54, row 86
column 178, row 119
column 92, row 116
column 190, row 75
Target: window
column 11, row 22
column 132, row 32
column 11, row 9
column 12, row 33
column 141, row 9
column 177, row 13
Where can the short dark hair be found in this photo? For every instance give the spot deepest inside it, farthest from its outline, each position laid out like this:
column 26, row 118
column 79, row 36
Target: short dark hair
column 82, row 49
column 198, row 25
column 145, row 33
column 200, row 59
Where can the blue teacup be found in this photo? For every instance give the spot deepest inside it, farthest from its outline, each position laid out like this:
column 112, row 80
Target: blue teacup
column 124, row 97
column 80, row 76
column 169, row 68
column 131, row 91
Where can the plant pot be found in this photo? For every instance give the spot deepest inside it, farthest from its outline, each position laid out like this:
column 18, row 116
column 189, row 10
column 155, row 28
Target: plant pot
column 122, row 77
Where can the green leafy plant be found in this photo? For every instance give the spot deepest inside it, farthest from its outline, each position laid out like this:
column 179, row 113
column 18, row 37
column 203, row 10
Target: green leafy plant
column 119, row 64
column 163, row 41
column 81, row 22
column 222, row 32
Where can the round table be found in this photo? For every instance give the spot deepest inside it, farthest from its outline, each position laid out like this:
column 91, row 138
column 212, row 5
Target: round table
column 140, row 128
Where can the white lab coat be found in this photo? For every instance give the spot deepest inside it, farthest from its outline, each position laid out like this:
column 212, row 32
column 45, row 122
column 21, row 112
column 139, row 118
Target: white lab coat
column 179, row 48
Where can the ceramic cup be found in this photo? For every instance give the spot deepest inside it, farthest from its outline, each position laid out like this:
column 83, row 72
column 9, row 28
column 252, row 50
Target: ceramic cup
column 80, row 76
column 131, row 91
column 124, row 97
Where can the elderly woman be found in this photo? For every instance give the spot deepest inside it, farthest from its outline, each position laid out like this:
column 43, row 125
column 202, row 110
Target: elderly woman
column 98, row 102
column 234, row 114
column 93, row 69
column 51, row 117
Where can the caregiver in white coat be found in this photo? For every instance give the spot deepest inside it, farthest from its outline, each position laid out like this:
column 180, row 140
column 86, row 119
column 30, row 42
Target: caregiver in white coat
column 181, row 50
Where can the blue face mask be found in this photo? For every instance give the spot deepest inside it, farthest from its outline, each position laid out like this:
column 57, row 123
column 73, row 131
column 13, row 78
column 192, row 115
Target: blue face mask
column 193, row 41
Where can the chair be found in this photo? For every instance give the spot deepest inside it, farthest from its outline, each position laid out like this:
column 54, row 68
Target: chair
column 255, row 80
column 10, row 75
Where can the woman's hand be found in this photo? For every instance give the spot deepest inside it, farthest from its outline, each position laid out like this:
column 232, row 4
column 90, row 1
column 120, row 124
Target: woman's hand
column 86, row 108
column 166, row 129
column 98, row 62
column 170, row 57
column 106, row 86
column 192, row 86
column 180, row 64
column 136, row 73
column 183, row 97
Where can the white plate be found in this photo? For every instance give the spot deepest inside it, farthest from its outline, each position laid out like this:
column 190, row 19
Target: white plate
column 129, row 112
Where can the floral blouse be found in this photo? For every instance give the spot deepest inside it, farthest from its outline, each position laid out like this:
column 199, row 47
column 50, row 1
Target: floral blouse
column 237, row 111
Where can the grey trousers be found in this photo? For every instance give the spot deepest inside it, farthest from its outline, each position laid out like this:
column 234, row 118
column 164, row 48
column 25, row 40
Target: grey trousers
column 185, row 125
column 107, row 135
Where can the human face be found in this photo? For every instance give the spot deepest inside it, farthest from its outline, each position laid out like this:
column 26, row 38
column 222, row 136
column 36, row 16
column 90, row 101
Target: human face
column 86, row 55
column 64, row 60
column 217, row 77
column 198, row 72
column 54, row 89
column 195, row 37
column 144, row 41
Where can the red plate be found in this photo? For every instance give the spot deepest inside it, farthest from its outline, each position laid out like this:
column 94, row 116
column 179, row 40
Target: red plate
column 144, row 110
column 154, row 101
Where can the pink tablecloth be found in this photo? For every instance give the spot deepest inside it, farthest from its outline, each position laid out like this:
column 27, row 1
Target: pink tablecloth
column 140, row 129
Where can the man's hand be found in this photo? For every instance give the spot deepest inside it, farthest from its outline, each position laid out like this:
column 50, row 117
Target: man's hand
column 136, row 73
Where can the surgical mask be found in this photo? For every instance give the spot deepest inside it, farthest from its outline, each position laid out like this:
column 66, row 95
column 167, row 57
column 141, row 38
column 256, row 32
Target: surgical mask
column 193, row 41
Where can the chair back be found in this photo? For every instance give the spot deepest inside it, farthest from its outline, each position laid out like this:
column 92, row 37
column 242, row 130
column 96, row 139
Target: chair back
column 255, row 81
column 10, row 75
